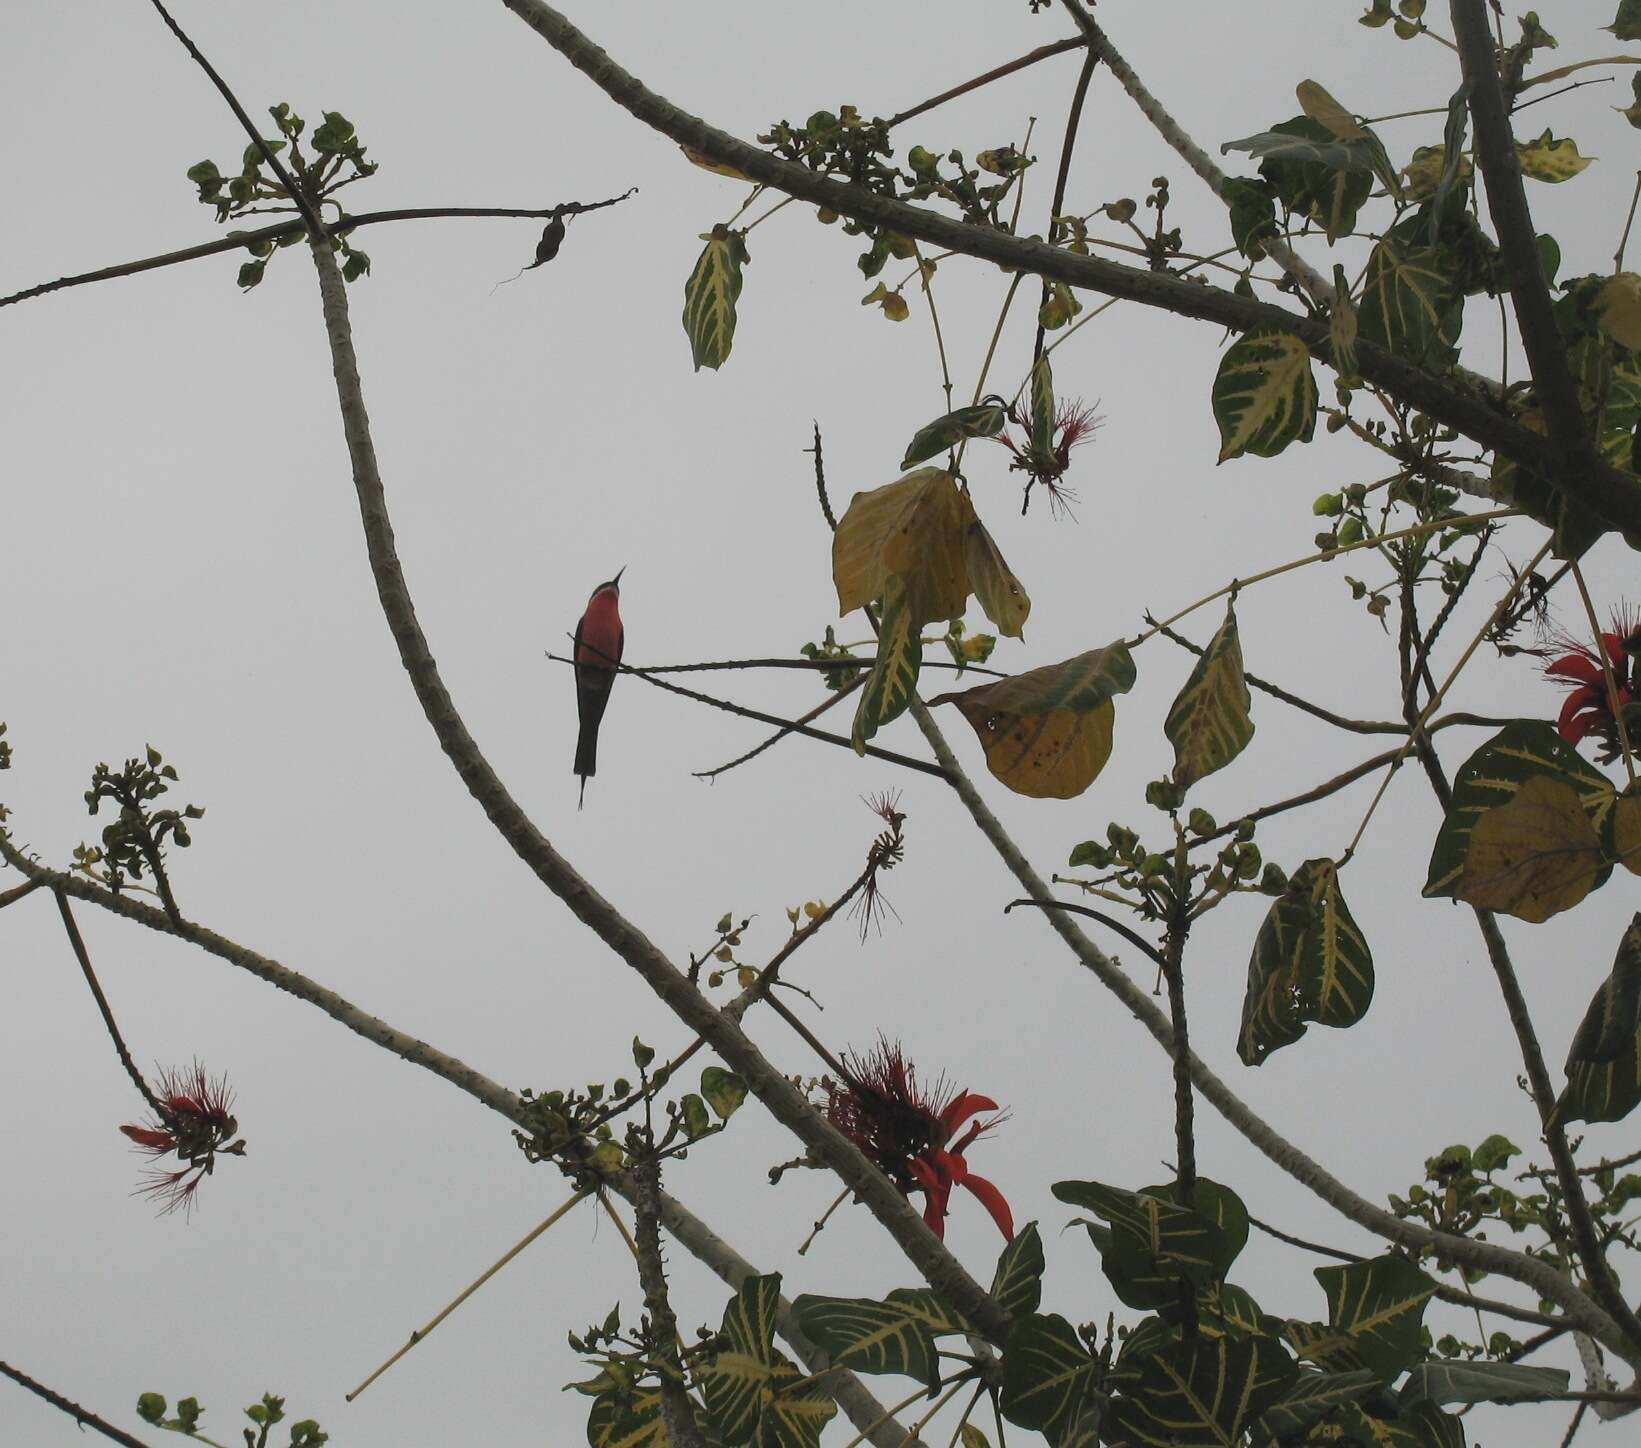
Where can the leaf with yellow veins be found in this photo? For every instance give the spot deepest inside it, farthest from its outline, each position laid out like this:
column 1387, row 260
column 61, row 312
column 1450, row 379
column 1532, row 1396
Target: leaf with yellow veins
column 1264, row 395
column 1618, row 309
column 1047, row 733
column 1534, row 856
column 1208, row 724
column 1547, row 159
column 889, row 687
column 710, row 295
column 994, row 584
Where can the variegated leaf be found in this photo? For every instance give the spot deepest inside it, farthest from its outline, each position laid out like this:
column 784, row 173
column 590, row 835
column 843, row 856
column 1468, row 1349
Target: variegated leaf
column 735, row 1385
column 892, row 683
column 983, row 419
column 1017, row 1285
column 1494, row 775
column 1200, row 1394
column 796, row 1410
column 1272, row 1007
column 1208, row 724
column 1411, row 302
column 1604, row 1064
column 871, row 1337
column 1312, row 1397
column 1380, row 1303
column 710, row 295
column 1264, row 394
column 1047, row 1374
column 1547, row 159
column 1042, row 406
column 1533, row 856
column 1336, row 966
column 925, row 1306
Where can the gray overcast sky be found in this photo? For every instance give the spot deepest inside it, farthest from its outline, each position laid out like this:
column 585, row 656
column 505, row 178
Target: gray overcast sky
column 183, row 565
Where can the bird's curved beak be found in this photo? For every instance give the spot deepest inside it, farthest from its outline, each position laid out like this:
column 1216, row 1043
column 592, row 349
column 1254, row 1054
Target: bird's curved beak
column 616, row 581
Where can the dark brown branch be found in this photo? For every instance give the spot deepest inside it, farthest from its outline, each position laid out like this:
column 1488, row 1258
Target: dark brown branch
column 1608, row 491
column 677, row 1412
column 792, row 725
column 709, row 666
column 16, row 893
column 1031, row 57
column 1541, row 340
column 1109, row 921
column 82, row 1416
column 84, row 957
column 282, row 229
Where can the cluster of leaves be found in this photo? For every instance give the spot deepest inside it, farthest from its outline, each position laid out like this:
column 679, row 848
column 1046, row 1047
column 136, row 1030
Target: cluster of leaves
column 151, row 1408
column 1206, row 1365
column 135, row 840
column 574, row 1126
column 338, row 158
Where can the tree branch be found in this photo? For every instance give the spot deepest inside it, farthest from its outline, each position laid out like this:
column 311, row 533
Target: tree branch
column 1582, row 1313
column 1607, row 491
column 688, row 1229
column 780, row 1097
column 82, row 1416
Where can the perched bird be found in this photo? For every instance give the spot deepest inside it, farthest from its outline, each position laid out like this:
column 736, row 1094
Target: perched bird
column 598, row 642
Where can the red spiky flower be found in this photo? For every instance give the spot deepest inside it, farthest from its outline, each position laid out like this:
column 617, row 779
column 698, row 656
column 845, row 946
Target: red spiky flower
column 1074, row 424
column 1588, row 710
column 907, row 1130
column 195, row 1123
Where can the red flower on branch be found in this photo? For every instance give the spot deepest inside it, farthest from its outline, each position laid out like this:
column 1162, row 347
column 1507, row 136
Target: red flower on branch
column 1074, row 424
column 1588, row 710
column 906, row 1131
column 194, row 1122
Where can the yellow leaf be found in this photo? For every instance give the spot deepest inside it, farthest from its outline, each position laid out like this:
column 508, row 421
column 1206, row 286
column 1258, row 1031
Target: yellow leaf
column 912, row 531
column 1627, row 829
column 1534, row 856
column 718, row 168
column 1547, row 159
column 1323, row 109
column 1056, row 755
column 972, row 1437
column 998, row 590
column 1425, row 170
column 746, row 976
column 893, row 304
column 814, row 909
column 1618, row 307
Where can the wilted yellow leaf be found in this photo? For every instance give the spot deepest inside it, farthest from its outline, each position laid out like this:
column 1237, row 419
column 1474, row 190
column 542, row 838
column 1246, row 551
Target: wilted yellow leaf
column 1547, row 159
column 1618, row 309
column 1627, row 829
column 1533, row 857
column 1056, row 755
column 1324, row 110
column 718, row 168
column 893, row 304
column 925, row 551
column 998, row 590
column 858, row 569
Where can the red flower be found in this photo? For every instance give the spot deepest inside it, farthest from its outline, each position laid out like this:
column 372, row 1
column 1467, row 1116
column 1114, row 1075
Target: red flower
column 907, row 1132
column 1588, row 709
column 194, row 1122
column 1073, row 424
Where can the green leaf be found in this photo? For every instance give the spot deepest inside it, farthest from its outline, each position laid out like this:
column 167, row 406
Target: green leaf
column 1153, row 1242
column 798, row 1411
column 1017, row 1285
column 1310, row 962
column 1627, row 23
column 1380, row 1303
column 1312, row 1397
column 1604, row 1064
column 1047, row 732
column 1264, row 394
column 1047, row 1374
column 1449, row 193
column 1300, row 168
column 724, row 1091
column 1208, row 724
column 1042, row 406
column 925, row 1306
column 694, row 1112
column 889, row 688
column 1313, row 145
column 1442, row 1382
column 1411, row 302
column 984, row 419
column 1493, row 1153
column 1201, row 1394
column 1632, row 112
column 710, row 295
column 871, row 1337
column 250, row 273
column 1253, row 213
column 1549, row 159
column 1494, row 775
column 736, row 1383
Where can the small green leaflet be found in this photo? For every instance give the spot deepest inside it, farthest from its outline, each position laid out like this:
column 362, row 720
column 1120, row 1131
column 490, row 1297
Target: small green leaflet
column 1380, row 1303
column 710, row 295
column 724, row 1091
column 1017, row 1286
column 1047, row 1373
column 1208, row 724
column 889, row 688
column 984, row 419
column 1604, row 1064
column 1494, row 775
column 1264, row 394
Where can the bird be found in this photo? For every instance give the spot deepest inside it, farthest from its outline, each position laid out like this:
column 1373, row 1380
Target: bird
column 598, row 642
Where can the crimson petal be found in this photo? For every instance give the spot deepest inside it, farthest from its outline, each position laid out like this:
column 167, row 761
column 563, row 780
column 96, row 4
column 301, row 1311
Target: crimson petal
column 992, row 1200
column 961, row 1107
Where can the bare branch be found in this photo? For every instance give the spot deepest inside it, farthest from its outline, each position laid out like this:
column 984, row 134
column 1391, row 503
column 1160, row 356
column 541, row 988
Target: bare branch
column 82, row 1416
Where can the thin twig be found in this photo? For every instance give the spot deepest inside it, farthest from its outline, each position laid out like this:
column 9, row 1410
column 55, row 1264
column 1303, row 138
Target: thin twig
column 16, row 893
column 1109, row 921
column 83, row 956
column 82, row 1416
column 784, row 732
column 1031, row 57
column 471, row 1288
column 789, row 725
column 822, row 1220
column 1629, row 221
